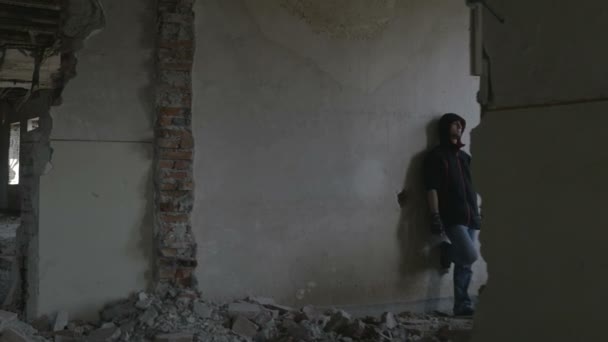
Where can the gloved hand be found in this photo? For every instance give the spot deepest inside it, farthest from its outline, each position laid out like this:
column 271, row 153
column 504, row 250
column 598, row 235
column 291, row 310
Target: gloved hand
column 436, row 224
column 477, row 221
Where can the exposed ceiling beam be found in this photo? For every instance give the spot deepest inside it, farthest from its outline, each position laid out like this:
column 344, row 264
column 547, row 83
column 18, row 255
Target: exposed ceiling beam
column 50, row 5
column 23, row 26
column 30, row 14
column 23, row 39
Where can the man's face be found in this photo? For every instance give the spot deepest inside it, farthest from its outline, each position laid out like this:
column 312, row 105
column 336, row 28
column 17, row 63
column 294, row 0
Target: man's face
column 456, row 130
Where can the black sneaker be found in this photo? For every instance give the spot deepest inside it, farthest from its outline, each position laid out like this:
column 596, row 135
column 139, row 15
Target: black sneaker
column 464, row 312
column 444, row 256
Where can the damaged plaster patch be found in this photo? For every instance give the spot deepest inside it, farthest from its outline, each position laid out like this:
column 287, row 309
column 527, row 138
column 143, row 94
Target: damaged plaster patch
column 343, row 19
column 85, row 18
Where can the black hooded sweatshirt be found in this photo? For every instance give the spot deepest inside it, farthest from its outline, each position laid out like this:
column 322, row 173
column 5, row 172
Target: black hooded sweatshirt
column 447, row 170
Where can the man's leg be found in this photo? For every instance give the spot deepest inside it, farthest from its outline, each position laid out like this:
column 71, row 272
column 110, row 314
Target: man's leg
column 463, row 254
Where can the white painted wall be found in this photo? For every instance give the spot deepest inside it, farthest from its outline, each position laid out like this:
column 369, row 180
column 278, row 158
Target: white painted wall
column 304, row 139
column 95, row 204
column 542, row 171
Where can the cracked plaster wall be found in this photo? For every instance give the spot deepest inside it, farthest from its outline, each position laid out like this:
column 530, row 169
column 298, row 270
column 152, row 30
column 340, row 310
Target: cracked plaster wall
column 542, row 170
column 303, row 139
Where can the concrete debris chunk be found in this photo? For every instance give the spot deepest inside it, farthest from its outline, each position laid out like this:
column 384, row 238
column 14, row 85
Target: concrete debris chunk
column 262, row 300
column 296, row 331
column 310, row 312
column 61, row 321
column 118, row 311
column 148, row 316
column 108, row 325
column 355, row 330
column 104, row 334
column 12, row 335
column 143, row 301
column 281, row 308
column 6, row 317
column 248, row 310
column 244, row 327
column 202, row 310
column 389, row 320
column 263, row 318
column 175, row 337
column 66, row 336
column 338, row 321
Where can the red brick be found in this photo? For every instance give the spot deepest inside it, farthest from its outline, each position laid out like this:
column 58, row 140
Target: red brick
column 174, row 218
column 183, row 66
column 185, row 186
column 166, row 132
column 166, row 207
column 172, row 111
column 189, row 261
column 166, row 164
column 176, row 174
column 183, row 276
column 187, row 141
column 186, row 18
column 166, row 272
column 182, row 165
column 173, row 194
column 168, row 143
column 165, row 121
column 180, row 245
column 177, row 154
column 183, row 56
column 176, row 44
column 168, row 186
column 168, row 252
column 169, row 96
column 172, row 6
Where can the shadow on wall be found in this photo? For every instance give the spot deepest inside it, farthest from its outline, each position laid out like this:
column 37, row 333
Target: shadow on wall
column 412, row 230
column 143, row 239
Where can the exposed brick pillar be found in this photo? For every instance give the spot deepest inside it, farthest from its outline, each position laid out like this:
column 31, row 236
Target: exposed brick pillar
column 176, row 248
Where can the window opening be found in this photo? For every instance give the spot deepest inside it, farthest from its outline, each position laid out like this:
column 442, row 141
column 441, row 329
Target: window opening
column 13, row 153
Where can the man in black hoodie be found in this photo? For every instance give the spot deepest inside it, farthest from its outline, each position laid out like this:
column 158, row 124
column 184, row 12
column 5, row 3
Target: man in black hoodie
column 453, row 205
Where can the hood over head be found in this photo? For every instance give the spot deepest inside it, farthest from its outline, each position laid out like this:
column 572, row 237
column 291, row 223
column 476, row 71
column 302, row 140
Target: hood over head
column 444, row 129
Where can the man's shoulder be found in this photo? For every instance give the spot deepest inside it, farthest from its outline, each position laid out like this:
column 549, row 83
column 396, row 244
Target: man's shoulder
column 436, row 151
column 465, row 155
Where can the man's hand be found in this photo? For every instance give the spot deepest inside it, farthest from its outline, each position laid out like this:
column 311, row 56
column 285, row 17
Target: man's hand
column 401, row 198
column 436, row 224
column 477, row 221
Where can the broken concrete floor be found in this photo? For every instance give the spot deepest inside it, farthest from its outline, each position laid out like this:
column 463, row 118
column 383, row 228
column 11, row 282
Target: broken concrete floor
column 179, row 315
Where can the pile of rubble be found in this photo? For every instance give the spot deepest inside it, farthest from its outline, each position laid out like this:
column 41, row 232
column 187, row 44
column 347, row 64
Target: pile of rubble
column 13, row 330
column 171, row 315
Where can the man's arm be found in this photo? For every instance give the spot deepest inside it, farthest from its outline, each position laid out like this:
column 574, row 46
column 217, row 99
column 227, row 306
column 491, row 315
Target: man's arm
column 432, row 179
column 433, row 201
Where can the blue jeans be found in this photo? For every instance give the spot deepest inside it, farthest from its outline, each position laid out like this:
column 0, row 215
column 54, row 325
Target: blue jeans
column 463, row 254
